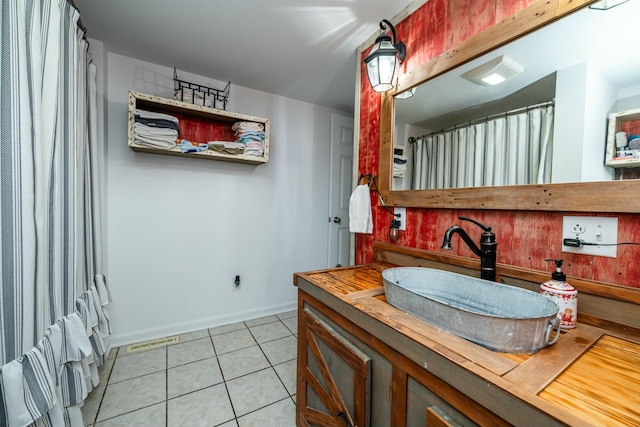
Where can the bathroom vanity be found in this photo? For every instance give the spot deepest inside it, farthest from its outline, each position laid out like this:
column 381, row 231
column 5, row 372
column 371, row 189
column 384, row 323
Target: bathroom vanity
column 363, row 362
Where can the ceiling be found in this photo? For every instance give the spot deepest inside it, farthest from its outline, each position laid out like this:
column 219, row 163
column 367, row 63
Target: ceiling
column 303, row 50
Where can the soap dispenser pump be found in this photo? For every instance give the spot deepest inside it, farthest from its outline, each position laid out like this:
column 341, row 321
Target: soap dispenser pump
column 565, row 295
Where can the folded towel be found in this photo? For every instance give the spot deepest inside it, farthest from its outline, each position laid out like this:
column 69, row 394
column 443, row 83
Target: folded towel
column 247, row 133
column 155, row 143
column 247, row 126
column 250, row 136
column 360, row 219
column 148, row 131
column 399, row 160
column 153, row 115
column 157, row 123
column 399, row 170
column 187, row 147
column 226, row 147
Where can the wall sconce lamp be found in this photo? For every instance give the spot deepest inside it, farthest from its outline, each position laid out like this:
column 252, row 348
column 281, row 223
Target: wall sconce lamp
column 383, row 58
column 394, row 230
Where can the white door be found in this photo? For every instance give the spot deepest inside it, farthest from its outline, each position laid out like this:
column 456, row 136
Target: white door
column 340, row 188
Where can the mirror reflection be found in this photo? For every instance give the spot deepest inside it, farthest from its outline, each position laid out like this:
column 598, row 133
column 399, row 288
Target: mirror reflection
column 547, row 122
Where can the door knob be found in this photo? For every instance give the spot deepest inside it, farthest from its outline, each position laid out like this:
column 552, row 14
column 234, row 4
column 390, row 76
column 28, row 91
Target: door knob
column 336, row 220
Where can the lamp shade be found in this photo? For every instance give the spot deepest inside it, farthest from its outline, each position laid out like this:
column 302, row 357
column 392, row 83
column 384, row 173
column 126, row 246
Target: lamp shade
column 381, row 64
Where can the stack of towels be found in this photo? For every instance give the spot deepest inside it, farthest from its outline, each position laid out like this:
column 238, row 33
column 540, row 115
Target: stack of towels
column 251, row 135
column 399, row 165
column 156, row 130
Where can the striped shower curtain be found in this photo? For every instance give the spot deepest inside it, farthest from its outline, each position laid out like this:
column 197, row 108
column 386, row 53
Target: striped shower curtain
column 511, row 150
column 53, row 321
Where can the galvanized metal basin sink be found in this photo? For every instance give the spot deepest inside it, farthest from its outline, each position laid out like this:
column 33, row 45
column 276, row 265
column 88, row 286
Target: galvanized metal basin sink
column 499, row 317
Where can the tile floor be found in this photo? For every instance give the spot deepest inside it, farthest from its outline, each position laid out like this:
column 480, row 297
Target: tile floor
column 239, row 375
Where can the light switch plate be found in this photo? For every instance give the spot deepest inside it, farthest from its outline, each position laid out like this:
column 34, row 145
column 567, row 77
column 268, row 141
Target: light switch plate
column 591, row 229
column 402, row 218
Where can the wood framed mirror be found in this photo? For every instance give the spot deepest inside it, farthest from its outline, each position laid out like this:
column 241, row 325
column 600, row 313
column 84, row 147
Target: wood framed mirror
column 600, row 196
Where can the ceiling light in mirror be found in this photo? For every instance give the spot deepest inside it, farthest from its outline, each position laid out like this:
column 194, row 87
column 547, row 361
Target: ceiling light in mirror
column 606, row 4
column 494, row 72
column 493, row 79
column 407, row 93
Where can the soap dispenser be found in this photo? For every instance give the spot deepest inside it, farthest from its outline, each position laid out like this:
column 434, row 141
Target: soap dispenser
column 565, row 295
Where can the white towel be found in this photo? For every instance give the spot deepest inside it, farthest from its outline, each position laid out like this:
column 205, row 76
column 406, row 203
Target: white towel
column 247, row 126
column 399, row 170
column 150, row 131
column 153, row 115
column 360, row 220
column 155, row 142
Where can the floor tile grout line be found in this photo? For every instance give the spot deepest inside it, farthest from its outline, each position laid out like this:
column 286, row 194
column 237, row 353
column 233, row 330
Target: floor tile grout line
column 226, row 387
column 244, row 326
column 271, row 364
column 189, row 363
column 275, row 339
column 260, row 324
column 224, row 381
column 106, row 384
column 269, row 367
column 105, row 392
column 195, row 391
column 263, row 407
column 129, row 412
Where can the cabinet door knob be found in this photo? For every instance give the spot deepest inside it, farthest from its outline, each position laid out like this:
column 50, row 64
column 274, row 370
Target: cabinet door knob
column 336, row 220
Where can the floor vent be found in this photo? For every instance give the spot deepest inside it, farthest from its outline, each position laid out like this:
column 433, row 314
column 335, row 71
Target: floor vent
column 148, row 345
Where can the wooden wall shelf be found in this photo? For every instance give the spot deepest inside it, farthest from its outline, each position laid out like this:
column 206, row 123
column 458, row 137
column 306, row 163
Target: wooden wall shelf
column 196, row 122
column 617, row 122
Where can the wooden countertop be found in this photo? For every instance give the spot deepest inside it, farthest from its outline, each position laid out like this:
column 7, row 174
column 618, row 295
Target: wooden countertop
column 589, row 377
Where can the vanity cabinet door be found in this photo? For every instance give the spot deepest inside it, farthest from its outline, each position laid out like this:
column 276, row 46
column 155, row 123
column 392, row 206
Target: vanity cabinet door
column 333, row 383
column 426, row 408
column 435, row 418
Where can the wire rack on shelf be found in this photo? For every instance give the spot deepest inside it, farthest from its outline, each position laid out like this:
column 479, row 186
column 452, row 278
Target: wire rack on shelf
column 199, row 94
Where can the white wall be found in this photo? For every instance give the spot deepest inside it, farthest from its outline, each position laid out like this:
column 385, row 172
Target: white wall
column 568, row 132
column 628, row 98
column 600, row 96
column 181, row 229
column 583, row 98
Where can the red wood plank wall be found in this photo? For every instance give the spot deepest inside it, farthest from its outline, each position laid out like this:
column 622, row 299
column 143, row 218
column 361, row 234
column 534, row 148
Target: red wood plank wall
column 525, row 238
column 197, row 130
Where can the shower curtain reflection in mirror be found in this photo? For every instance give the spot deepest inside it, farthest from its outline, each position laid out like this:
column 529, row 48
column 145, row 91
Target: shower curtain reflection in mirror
column 512, row 149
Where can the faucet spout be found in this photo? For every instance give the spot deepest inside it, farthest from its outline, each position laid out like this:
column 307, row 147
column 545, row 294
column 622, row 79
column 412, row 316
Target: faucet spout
column 456, row 229
column 486, row 251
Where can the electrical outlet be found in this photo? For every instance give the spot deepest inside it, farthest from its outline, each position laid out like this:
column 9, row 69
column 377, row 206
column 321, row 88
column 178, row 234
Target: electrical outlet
column 591, row 229
column 402, row 218
column 236, row 283
column 578, row 228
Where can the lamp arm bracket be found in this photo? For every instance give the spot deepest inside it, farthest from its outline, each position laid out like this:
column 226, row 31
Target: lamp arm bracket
column 400, row 47
column 391, row 27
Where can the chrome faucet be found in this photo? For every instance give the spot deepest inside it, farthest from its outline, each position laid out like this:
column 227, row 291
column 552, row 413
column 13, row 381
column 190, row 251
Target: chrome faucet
column 486, row 252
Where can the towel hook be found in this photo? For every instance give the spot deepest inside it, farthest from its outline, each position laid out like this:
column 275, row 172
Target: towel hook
column 369, row 179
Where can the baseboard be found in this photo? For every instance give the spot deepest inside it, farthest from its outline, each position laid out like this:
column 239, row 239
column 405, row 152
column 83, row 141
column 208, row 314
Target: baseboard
column 118, row 340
